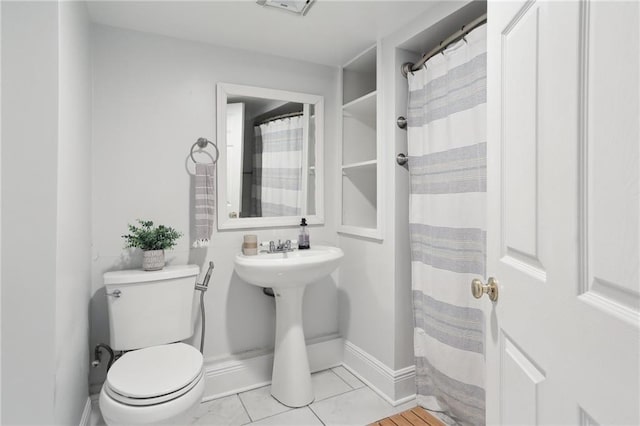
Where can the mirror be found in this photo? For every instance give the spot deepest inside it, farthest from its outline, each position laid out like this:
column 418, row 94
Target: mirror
column 270, row 166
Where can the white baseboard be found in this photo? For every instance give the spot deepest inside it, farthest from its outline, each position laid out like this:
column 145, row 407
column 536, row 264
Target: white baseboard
column 86, row 413
column 395, row 386
column 236, row 374
column 230, row 376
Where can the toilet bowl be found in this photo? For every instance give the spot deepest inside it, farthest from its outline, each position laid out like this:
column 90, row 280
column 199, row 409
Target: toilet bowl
column 159, row 385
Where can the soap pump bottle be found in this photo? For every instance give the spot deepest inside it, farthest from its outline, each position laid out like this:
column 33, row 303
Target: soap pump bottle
column 303, row 237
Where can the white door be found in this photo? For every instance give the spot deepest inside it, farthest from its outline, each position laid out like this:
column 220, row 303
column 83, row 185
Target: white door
column 563, row 197
column 235, row 152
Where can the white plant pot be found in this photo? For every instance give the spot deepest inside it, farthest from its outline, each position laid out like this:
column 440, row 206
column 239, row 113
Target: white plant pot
column 152, row 260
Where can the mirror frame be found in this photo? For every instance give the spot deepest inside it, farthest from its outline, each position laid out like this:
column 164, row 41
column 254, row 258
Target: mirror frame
column 223, row 92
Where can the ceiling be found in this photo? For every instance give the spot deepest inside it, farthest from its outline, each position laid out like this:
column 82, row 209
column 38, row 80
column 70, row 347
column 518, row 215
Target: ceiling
column 330, row 34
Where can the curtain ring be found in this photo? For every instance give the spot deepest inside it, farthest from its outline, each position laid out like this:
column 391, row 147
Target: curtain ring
column 202, row 143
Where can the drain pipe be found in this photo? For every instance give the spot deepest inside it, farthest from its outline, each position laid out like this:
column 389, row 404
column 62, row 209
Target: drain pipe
column 202, row 288
column 97, row 355
column 268, row 291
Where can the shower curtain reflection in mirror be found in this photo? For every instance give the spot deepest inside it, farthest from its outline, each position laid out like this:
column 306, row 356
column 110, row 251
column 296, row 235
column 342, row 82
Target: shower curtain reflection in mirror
column 277, row 168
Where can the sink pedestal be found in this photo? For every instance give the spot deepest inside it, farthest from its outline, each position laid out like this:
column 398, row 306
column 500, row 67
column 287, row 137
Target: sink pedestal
column 288, row 274
column 291, row 381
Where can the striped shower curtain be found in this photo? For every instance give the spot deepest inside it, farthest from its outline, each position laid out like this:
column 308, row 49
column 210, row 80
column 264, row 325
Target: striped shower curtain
column 255, row 205
column 277, row 168
column 447, row 163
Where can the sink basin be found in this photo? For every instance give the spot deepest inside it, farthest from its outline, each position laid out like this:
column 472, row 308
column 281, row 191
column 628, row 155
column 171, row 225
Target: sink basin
column 294, row 268
column 288, row 274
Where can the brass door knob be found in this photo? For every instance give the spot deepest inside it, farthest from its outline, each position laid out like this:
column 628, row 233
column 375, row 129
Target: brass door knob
column 491, row 288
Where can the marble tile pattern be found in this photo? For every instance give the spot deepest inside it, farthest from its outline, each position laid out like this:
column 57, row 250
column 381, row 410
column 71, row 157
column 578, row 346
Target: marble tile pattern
column 351, row 380
column 222, row 411
column 260, row 404
column 327, row 384
column 296, row 417
column 341, row 399
column 359, row 407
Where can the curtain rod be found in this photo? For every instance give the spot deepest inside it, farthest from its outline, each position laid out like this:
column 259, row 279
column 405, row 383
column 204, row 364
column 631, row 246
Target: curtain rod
column 408, row 67
column 278, row 117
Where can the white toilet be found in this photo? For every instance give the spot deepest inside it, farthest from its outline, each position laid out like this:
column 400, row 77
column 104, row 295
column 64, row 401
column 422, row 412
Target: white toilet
column 158, row 381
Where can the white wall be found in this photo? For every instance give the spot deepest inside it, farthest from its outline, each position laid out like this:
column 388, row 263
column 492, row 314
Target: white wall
column 0, row 215
column 29, row 179
column 153, row 96
column 73, row 266
column 46, row 217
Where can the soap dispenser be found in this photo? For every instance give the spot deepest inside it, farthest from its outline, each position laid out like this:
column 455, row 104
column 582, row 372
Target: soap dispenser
column 303, row 237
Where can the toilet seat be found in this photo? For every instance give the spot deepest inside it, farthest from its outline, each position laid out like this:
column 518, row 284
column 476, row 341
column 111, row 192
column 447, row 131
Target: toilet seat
column 152, row 400
column 154, row 375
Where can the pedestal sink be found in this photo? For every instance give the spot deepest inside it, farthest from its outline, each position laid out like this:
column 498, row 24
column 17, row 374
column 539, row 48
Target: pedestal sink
column 288, row 274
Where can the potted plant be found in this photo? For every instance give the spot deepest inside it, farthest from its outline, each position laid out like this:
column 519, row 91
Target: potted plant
column 153, row 240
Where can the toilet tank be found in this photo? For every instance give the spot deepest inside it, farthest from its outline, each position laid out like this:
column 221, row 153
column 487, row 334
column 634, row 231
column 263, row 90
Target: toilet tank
column 153, row 307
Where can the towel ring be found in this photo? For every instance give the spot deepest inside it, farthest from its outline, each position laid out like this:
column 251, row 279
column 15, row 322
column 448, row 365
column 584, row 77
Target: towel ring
column 202, row 143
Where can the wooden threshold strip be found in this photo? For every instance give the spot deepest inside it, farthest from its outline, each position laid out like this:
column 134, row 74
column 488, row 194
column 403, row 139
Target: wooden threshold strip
column 417, row 416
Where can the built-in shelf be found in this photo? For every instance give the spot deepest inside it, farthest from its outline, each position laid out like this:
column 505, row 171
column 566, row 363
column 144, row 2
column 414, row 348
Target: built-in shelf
column 360, row 176
column 362, row 111
column 371, row 164
column 360, row 197
column 363, row 63
column 364, row 105
column 359, row 231
column 358, row 139
column 359, row 76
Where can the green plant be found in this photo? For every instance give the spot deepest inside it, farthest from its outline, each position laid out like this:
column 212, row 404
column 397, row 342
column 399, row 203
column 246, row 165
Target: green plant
column 148, row 237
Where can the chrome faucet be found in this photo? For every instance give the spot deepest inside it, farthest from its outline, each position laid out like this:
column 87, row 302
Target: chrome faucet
column 281, row 247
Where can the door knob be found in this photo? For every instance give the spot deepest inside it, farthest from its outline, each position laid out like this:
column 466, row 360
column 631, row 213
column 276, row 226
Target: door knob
column 491, row 288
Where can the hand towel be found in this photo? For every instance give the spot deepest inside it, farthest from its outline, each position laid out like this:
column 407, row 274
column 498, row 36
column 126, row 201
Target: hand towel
column 204, row 203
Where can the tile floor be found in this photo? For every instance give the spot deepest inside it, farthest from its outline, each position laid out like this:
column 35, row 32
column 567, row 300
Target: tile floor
column 341, row 399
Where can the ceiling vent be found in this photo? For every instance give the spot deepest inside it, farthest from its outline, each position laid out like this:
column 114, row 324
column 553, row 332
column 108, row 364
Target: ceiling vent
column 298, row 7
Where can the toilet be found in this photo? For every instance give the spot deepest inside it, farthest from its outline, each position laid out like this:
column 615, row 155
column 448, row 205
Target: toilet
column 157, row 381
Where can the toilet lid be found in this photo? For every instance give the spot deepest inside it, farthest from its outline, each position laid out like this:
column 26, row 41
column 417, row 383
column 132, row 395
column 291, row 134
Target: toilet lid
column 155, row 371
